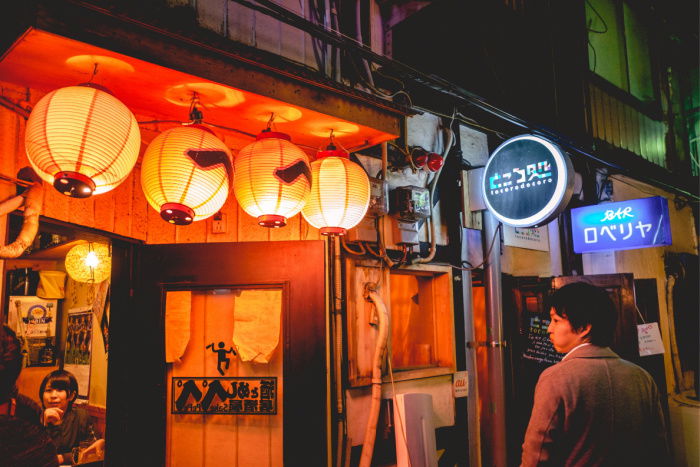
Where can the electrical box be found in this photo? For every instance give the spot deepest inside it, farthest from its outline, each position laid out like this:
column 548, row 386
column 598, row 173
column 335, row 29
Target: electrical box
column 410, row 203
column 378, row 197
column 365, row 231
column 405, row 233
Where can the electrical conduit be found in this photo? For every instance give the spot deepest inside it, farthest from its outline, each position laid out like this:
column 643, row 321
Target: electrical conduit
column 433, row 184
column 379, row 353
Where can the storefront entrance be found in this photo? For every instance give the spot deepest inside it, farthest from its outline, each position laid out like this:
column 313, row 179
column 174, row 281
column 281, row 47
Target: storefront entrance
column 224, row 352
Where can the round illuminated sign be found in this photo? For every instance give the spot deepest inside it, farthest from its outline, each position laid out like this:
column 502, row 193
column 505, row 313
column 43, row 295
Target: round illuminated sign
column 527, row 181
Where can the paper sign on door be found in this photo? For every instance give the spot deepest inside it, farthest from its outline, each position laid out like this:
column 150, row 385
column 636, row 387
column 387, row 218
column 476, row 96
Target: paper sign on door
column 649, row 339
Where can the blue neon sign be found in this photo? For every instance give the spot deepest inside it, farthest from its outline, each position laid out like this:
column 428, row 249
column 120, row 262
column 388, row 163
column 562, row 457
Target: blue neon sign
column 637, row 223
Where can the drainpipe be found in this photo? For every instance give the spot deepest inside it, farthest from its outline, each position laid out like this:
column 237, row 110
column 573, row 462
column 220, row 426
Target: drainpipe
column 496, row 411
column 377, row 363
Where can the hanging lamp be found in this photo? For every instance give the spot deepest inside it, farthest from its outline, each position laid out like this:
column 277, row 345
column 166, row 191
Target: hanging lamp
column 186, row 174
column 82, row 140
column 89, row 262
column 272, row 178
column 340, row 192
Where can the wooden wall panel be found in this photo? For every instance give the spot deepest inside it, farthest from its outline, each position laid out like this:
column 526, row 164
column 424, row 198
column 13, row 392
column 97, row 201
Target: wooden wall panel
column 249, row 230
column 121, row 209
column 139, row 207
column 104, row 211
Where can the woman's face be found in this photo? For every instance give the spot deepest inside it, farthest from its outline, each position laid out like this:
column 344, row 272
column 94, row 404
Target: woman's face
column 58, row 398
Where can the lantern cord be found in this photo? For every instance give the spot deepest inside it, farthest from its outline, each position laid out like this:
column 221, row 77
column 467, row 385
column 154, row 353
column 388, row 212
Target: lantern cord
column 94, row 72
column 270, row 121
column 196, row 115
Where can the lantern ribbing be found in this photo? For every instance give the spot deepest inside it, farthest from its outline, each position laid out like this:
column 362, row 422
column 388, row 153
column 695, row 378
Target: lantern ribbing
column 185, row 174
column 82, row 140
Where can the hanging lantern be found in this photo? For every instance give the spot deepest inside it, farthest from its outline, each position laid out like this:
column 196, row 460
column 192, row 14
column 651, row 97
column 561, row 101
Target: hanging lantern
column 273, row 179
column 339, row 194
column 186, row 174
column 82, row 140
column 89, row 262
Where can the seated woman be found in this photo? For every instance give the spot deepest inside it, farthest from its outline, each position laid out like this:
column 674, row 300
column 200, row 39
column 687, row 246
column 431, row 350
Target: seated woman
column 66, row 424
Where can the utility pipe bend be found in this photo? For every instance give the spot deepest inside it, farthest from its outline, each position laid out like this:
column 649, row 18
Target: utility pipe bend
column 379, row 353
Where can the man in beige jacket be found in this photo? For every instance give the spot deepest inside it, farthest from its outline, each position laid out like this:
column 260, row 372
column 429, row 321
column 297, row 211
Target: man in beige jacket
column 592, row 408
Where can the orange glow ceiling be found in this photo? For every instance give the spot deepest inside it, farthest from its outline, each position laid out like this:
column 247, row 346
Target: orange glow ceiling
column 45, row 61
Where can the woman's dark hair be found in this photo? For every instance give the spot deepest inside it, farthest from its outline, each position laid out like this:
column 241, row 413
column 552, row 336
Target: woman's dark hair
column 10, row 362
column 60, row 380
column 582, row 304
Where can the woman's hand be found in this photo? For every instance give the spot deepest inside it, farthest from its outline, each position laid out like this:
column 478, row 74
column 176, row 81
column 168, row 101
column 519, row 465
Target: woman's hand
column 53, row 416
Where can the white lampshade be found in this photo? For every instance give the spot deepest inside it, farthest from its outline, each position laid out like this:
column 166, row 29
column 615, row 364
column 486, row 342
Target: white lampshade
column 186, row 173
column 82, row 140
column 272, row 179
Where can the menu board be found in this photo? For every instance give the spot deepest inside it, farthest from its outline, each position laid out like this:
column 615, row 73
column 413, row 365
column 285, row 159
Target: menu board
column 539, row 348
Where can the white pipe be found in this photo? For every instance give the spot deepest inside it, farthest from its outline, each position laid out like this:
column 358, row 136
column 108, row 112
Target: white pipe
column 433, row 184
column 379, row 352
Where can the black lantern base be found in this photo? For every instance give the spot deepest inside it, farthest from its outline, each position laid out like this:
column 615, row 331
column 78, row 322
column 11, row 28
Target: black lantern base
column 177, row 213
column 74, row 184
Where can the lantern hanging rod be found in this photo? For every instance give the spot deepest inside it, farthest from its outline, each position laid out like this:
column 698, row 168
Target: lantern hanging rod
column 15, row 107
column 16, row 181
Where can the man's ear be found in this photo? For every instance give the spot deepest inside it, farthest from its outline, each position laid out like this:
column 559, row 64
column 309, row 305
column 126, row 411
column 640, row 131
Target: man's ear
column 72, row 396
column 584, row 331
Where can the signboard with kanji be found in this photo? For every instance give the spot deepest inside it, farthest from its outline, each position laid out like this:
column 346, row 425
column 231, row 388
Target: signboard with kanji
column 624, row 225
column 224, row 396
column 527, row 181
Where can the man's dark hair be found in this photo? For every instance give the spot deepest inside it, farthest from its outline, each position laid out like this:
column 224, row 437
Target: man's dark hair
column 10, row 362
column 60, row 380
column 582, row 304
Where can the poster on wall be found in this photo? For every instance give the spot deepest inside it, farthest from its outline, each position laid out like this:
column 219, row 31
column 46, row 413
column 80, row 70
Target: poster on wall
column 79, row 347
column 34, row 321
column 100, row 307
column 531, row 238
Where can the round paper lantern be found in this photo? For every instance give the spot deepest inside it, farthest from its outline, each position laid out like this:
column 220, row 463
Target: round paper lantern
column 89, row 262
column 272, row 180
column 82, row 140
column 186, row 174
column 339, row 194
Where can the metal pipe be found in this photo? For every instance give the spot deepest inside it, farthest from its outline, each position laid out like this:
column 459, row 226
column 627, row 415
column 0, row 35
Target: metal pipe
column 336, row 277
column 473, row 426
column 494, row 337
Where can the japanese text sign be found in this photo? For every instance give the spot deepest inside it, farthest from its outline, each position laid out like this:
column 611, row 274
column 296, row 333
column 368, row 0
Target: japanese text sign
column 224, row 396
column 527, row 181
column 624, row 225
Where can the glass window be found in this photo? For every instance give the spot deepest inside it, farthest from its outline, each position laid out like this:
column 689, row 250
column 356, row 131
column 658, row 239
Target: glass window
column 618, row 47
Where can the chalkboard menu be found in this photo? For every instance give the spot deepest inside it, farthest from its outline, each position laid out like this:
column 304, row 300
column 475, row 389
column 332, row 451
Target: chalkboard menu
column 538, row 347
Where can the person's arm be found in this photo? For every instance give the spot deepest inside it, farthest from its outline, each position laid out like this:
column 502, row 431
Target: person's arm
column 545, row 424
